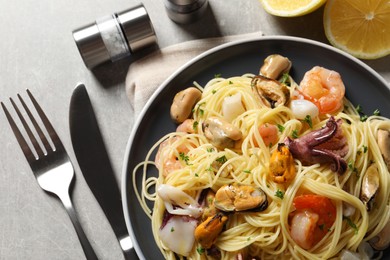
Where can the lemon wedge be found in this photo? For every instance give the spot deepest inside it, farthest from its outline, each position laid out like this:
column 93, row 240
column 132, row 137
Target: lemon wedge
column 359, row 27
column 291, row 8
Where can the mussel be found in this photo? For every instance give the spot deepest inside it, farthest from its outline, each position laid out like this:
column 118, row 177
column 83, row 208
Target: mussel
column 383, row 137
column 382, row 240
column 370, row 186
column 238, row 198
column 274, row 66
column 271, row 92
column 221, row 133
column 207, row 232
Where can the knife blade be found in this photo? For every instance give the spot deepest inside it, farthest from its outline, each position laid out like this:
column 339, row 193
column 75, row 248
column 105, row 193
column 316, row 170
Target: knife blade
column 95, row 165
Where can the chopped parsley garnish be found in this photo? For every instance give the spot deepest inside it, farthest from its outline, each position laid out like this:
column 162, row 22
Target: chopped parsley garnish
column 210, row 150
column 377, row 112
column 285, row 79
column 308, row 121
column 200, row 250
column 213, row 91
column 322, row 226
column 184, row 157
column 218, row 75
column 351, row 166
column 294, row 134
column 281, row 128
column 351, row 224
column 230, row 82
column 363, row 116
column 222, row 159
column 172, row 229
column 279, row 194
column 195, row 125
column 359, row 109
column 365, row 148
column 247, row 171
column 196, row 175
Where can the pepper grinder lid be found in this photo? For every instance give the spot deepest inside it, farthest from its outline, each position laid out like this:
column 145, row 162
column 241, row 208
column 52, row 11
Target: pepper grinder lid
column 115, row 36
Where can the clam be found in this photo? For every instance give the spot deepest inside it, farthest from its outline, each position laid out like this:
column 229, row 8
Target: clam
column 271, row 92
column 236, row 198
column 274, row 66
column 383, row 137
column 370, row 186
column 221, row 133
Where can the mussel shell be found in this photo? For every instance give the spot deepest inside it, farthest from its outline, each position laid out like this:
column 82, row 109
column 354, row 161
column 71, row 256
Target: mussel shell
column 240, row 198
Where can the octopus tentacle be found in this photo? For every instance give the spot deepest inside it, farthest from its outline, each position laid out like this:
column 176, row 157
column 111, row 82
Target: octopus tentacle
column 310, row 149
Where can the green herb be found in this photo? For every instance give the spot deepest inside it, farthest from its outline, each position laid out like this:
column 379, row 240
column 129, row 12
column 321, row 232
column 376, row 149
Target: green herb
column 247, row 171
column 213, row 91
column 200, row 250
column 248, row 239
column 210, row 169
column 195, row 125
column 377, row 112
column 222, row 159
column 218, row 75
column 210, row 150
column 285, row 79
column 308, row 121
column 184, row 157
column 172, row 229
column 279, row 194
column 351, row 224
column 359, row 109
column 351, row 166
column 230, row 82
column 322, row 226
column 363, row 117
column 294, row 134
column 365, row 148
column 196, row 175
column 281, row 128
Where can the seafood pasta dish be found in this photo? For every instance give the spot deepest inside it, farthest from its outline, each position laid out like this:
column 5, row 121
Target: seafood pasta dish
column 269, row 166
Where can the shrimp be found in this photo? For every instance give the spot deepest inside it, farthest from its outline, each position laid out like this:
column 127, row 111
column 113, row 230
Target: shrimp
column 188, row 126
column 269, row 134
column 313, row 218
column 167, row 159
column 324, row 88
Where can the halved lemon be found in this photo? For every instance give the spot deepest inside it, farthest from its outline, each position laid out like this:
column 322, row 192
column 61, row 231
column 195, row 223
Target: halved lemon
column 291, row 8
column 359, row 27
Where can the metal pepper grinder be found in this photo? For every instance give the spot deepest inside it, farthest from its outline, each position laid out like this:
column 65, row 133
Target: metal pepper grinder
column 115, row 36
column 185, row 11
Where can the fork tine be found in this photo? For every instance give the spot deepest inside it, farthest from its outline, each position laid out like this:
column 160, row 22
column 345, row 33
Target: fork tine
column 36, row 126
column 19, row 137
column 28, row 130
column 52, row 133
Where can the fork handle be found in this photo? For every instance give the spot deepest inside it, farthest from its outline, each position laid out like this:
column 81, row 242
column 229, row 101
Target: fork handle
column 87, row 248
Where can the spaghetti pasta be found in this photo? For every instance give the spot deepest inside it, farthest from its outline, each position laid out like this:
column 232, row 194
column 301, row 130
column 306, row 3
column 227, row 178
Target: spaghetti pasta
column 191, row 163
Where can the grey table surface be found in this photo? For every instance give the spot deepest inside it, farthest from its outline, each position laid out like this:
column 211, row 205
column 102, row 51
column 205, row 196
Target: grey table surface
column 37, row 51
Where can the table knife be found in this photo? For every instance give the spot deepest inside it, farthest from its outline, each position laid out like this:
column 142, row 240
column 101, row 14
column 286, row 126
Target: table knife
column 95, row 165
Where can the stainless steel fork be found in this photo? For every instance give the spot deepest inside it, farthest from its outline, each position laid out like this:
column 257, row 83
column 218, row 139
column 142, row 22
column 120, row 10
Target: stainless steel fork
column 51, row 165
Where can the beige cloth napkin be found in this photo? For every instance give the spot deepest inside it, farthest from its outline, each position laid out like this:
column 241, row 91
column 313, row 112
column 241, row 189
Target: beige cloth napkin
column 146, row 74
